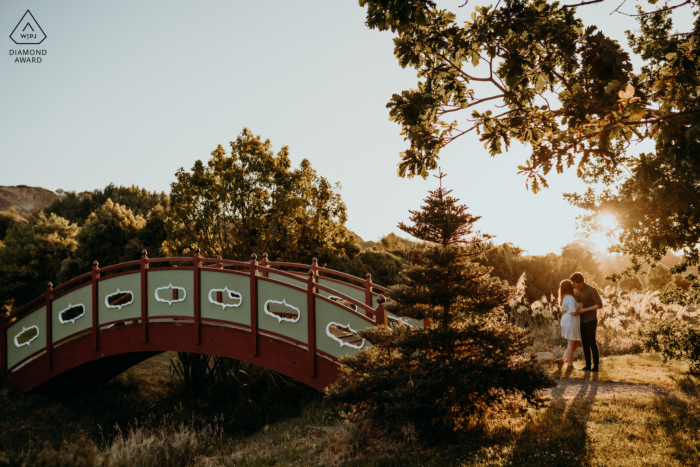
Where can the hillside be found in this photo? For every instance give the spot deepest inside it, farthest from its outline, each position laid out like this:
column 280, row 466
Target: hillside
column 26, row 199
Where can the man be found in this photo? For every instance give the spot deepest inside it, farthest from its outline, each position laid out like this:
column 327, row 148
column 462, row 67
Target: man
column 591, row 300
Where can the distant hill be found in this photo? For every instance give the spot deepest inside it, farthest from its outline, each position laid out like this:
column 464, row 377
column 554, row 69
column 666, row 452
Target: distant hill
column 26, row 199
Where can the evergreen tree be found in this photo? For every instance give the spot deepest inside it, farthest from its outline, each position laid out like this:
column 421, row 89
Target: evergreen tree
column 440, row 378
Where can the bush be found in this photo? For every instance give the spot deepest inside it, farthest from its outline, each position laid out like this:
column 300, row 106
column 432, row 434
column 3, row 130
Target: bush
column 659, row 277
column 675, row 339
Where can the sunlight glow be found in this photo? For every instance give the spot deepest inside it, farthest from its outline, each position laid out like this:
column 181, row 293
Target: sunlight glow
column 607, row 221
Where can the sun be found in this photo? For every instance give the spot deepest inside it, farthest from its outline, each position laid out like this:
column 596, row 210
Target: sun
column 607, row 221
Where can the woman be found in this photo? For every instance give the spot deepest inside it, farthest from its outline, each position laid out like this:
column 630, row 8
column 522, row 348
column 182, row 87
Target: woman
column 570, row 322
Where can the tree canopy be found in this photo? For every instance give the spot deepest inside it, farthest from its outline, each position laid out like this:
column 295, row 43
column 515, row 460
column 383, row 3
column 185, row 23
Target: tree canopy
column 31, row 255
column 531, row 71
column 78, row 207
column 253, row 201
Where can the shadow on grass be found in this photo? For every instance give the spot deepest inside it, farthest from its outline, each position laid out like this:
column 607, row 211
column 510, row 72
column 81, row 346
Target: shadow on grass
column 101, row 412
column 681, row 419
column 558, row 436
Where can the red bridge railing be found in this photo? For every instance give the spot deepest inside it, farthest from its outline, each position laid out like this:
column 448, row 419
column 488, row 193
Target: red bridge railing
column 306, row 280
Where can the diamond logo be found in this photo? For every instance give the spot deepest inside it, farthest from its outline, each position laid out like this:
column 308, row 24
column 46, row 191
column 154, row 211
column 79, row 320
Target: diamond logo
column 28, row 31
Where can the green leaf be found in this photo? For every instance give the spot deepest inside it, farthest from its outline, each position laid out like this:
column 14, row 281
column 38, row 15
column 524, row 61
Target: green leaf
column 539, row 84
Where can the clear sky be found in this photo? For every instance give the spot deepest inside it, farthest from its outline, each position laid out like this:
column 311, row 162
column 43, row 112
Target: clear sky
column 130, row 91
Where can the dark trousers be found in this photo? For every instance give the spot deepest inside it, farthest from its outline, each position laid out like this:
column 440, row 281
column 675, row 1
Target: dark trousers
column 588, row 342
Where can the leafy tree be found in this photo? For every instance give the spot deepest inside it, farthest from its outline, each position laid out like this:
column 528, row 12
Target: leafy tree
column 631, row 283
column 659, row 277
column 8, row 219
column 584, row 254
column 384, row 267
column 32, row 255
column 78, row 207
column 252, row 201
column 109, row 236
column 438, row 378
column 531, row 71
column 542, row 273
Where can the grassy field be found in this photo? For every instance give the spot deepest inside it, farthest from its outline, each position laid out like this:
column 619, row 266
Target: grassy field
column 140, row 419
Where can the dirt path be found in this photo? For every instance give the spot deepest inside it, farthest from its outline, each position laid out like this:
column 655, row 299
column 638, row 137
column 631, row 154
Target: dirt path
column 572, row 388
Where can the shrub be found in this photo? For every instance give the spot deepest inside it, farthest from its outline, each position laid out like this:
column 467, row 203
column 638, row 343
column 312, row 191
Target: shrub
column 677, row 340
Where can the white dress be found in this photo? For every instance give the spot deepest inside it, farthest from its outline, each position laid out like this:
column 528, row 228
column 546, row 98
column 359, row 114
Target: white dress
column 570, row 325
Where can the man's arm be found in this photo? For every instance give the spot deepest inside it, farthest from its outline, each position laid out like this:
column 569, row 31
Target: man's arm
column 598, row 302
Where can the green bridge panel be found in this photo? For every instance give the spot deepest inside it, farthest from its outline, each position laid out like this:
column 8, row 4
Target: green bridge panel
column 293, row 298
column 210, row 282
column 82, row 296
column 17, row 354
column 110, row 285
column 288, row 280
column 351, row 292
column 327, row 313
column 181, row 279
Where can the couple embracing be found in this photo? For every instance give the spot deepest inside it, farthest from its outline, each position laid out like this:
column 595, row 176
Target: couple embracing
column 579, row 303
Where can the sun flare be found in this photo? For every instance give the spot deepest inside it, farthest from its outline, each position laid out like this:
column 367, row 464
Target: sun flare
column 607, row 221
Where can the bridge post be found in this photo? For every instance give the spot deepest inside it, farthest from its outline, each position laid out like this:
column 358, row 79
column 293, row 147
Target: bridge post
column 368, row 290
column 3, row 343
column 144, row 295
column 311, row 308
column 254, row 303
column 219, row 294
column 197, row 311
column 49, row 325
column 95, row 315
column 380, row 313
column 264, row 264
column 314, row 267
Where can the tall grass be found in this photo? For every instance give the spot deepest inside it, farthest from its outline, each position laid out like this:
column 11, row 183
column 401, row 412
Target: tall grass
column 165, row 442
column 622, row 315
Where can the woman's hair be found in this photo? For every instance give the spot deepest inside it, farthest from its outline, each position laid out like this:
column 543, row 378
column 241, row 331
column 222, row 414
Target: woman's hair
column 565, row 288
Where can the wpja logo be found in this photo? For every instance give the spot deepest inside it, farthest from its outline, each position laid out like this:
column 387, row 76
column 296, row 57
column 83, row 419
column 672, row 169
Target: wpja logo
column 28, row 31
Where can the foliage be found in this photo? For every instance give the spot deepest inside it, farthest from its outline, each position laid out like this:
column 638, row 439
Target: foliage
column 252, row 201
column 583, row 253
column 658, row 277
column 438, row 379
column 543, row 273
column 631, row 283
column 675, row 339
column 683, row 292
column 109, row 236
column 8, row 219
column 384, row 267
column 78, row 207
column 531, row 71
column 388, row 242
column 32, row 255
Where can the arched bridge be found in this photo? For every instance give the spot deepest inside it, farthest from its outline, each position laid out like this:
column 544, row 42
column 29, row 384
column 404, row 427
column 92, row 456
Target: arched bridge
column 265, row 313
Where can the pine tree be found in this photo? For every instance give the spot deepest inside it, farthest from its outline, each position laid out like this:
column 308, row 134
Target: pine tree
column 442, row 377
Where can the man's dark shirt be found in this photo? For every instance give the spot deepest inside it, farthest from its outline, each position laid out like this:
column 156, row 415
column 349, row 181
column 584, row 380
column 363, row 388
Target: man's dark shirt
column 589, row 296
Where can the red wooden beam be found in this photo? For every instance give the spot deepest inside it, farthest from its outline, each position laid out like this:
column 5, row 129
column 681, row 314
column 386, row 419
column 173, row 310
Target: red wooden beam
column 144, row 295
column 197, row 311
column 380, row 313
column 368, row 290
column 311, row 316
column 95, row 315
column 49, row 326
column 254, row 303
